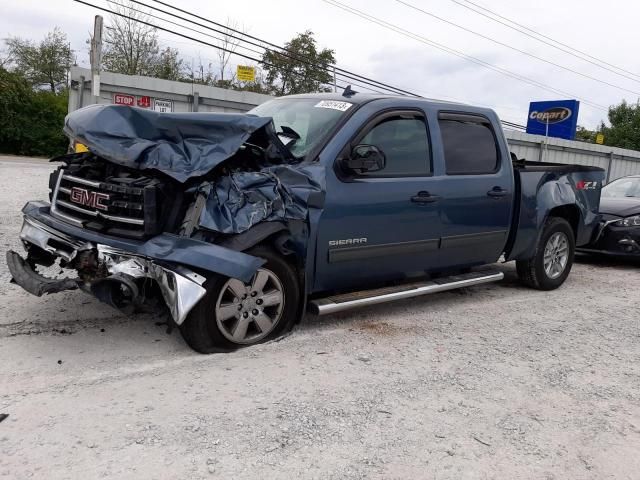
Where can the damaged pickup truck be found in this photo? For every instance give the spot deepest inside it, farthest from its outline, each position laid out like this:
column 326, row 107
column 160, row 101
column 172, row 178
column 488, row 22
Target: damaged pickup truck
column 239, row 223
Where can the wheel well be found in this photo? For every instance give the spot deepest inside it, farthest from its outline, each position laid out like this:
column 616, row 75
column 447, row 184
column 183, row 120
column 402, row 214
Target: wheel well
column 570, row 213
column 276, row 242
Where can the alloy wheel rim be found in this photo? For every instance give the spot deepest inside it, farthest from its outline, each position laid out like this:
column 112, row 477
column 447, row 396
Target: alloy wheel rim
column 556, row 255
column 248, row 312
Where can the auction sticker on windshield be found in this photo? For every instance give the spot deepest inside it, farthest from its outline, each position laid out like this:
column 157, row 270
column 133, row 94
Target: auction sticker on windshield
column 333, row 104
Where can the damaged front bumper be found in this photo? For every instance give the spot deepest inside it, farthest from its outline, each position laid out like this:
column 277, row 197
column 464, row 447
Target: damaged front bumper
column 125, row 264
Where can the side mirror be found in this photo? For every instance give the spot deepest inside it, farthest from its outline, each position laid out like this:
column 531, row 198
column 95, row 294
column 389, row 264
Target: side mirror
column 364, row 158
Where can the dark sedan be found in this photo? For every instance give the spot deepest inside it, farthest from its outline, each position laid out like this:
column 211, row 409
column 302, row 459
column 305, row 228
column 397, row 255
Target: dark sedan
column 619, row 232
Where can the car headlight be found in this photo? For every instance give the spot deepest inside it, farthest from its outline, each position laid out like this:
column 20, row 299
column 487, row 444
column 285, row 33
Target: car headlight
column 629, row 221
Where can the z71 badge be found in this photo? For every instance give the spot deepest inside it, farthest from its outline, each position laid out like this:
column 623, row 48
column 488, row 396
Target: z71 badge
column 582, row 185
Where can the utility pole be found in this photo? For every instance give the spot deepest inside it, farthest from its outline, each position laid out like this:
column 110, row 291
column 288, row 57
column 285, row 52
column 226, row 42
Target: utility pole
column 96, row 58
column 335, row 85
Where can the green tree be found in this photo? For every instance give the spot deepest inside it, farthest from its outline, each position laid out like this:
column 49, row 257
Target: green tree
column 44, row 64
column 31, row 119
column 132, row 48
column 585, row 135
column 302, row 69
column 624, row 131
column 129, row 47
column 169, row 65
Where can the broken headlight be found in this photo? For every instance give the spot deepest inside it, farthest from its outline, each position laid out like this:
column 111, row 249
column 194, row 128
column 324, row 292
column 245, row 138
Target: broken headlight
column 633, row 221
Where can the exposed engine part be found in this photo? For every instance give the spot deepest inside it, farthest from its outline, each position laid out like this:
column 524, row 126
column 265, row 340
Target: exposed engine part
column 119, row 291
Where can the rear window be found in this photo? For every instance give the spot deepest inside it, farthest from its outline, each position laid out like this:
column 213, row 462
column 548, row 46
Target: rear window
column 469, row 147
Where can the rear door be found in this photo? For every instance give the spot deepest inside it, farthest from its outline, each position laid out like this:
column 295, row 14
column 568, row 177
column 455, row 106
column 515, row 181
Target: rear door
column 381, row 225
column 478, row 181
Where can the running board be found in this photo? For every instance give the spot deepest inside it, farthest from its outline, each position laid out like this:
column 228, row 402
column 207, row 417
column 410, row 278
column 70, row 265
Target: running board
column 338, row 303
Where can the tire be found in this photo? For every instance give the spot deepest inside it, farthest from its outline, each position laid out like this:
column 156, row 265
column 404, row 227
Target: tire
column 224, row 321
column 558, row 241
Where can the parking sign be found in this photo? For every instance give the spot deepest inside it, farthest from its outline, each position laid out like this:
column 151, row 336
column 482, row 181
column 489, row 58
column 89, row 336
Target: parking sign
column 160, row 105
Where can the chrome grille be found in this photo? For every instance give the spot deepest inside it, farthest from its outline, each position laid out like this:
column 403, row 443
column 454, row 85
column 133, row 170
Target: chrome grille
column 116, row 205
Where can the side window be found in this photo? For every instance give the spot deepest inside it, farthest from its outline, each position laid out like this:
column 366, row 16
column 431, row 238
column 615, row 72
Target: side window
column 405, row 144
column 469, row 146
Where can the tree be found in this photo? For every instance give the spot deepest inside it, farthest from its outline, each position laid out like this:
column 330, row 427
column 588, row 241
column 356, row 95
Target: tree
column 132, row 48
column 624, row 131
column 129, row 47
column 45, row 64
column 168, row 65
column 228, row 45
column 31, row 119
column 302, row 69
column 585, row 135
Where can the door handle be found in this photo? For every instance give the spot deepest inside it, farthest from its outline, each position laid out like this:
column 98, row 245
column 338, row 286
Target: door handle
column 425, row 197
column 497, row 192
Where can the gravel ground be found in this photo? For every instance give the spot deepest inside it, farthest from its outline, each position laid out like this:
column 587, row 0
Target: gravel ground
column 495, row 381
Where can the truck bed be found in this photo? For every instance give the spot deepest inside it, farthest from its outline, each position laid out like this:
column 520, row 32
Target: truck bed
column 540, row 186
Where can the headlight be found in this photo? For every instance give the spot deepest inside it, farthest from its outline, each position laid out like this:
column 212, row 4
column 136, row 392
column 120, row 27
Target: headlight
column 629, row 221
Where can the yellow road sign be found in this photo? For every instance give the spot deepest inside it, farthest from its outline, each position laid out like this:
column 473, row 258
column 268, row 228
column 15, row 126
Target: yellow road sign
column 599, row 138
column 246, row 73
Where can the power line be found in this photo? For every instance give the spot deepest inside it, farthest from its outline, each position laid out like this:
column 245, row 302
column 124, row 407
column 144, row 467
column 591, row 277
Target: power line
column 486, row 37
column 457, row 53
column 132, row 9
column 598, row 62
column 275, row 48
column 210, row 44
column 181, row 35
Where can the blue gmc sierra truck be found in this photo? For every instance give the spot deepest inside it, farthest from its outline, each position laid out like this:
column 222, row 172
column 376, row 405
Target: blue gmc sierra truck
column 241, row 223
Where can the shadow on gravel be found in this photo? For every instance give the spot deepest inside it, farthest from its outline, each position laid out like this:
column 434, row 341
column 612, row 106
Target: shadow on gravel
column 365, row 318
column 608, row 261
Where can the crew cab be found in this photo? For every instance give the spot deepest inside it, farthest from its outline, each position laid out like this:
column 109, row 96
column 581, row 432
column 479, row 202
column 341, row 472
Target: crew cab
column 241, row 223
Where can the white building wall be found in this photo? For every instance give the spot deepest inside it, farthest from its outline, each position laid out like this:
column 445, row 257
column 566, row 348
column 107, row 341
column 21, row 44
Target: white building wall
column 618, row 162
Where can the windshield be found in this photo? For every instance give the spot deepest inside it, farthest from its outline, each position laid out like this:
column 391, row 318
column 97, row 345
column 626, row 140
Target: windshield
column 623, row 187
column 302, row 123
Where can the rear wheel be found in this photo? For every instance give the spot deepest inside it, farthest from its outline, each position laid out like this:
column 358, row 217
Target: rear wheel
column 235, row 314
column 553, row 258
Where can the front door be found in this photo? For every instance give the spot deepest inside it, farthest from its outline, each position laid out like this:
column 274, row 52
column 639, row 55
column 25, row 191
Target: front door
column 381, row 225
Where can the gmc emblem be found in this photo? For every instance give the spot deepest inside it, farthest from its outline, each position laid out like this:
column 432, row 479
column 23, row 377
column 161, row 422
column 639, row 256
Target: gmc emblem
column 90, row 199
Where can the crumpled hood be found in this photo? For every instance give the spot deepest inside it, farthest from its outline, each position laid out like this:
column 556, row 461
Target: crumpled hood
column 181, row 145
column 622, row 207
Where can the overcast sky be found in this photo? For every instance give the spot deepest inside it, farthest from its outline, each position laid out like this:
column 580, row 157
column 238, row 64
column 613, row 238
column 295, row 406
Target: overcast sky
column 606, row 30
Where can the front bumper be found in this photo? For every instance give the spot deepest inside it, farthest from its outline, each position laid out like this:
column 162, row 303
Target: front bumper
column 164, row 259
column 181, row 288
column 615, row 240
column 162, row 248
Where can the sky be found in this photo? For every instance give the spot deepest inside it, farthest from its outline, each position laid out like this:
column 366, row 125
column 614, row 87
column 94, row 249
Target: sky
column 605, row 30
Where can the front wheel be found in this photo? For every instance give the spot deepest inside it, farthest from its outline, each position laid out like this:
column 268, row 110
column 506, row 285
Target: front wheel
column 553, row 258
column 235, row 314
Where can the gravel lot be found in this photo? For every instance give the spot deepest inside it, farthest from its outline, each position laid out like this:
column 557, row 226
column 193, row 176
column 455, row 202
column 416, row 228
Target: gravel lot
column 495, row 381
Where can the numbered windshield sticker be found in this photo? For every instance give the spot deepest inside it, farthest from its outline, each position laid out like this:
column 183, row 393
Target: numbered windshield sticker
column 334, row 105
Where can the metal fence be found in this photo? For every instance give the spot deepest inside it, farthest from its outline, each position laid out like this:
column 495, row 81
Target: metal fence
column 617, row 162
column 166, row 95
column 158, row 94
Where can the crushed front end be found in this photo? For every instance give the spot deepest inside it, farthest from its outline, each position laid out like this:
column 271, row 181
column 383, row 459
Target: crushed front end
column 126, row 274
column 158, row 204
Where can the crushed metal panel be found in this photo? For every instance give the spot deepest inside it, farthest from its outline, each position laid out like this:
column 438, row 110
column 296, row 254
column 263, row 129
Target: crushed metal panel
column 181, row 145
column 240, row 200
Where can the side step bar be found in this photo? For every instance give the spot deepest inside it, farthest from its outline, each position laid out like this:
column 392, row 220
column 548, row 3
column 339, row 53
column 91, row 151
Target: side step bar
column 338, row 303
